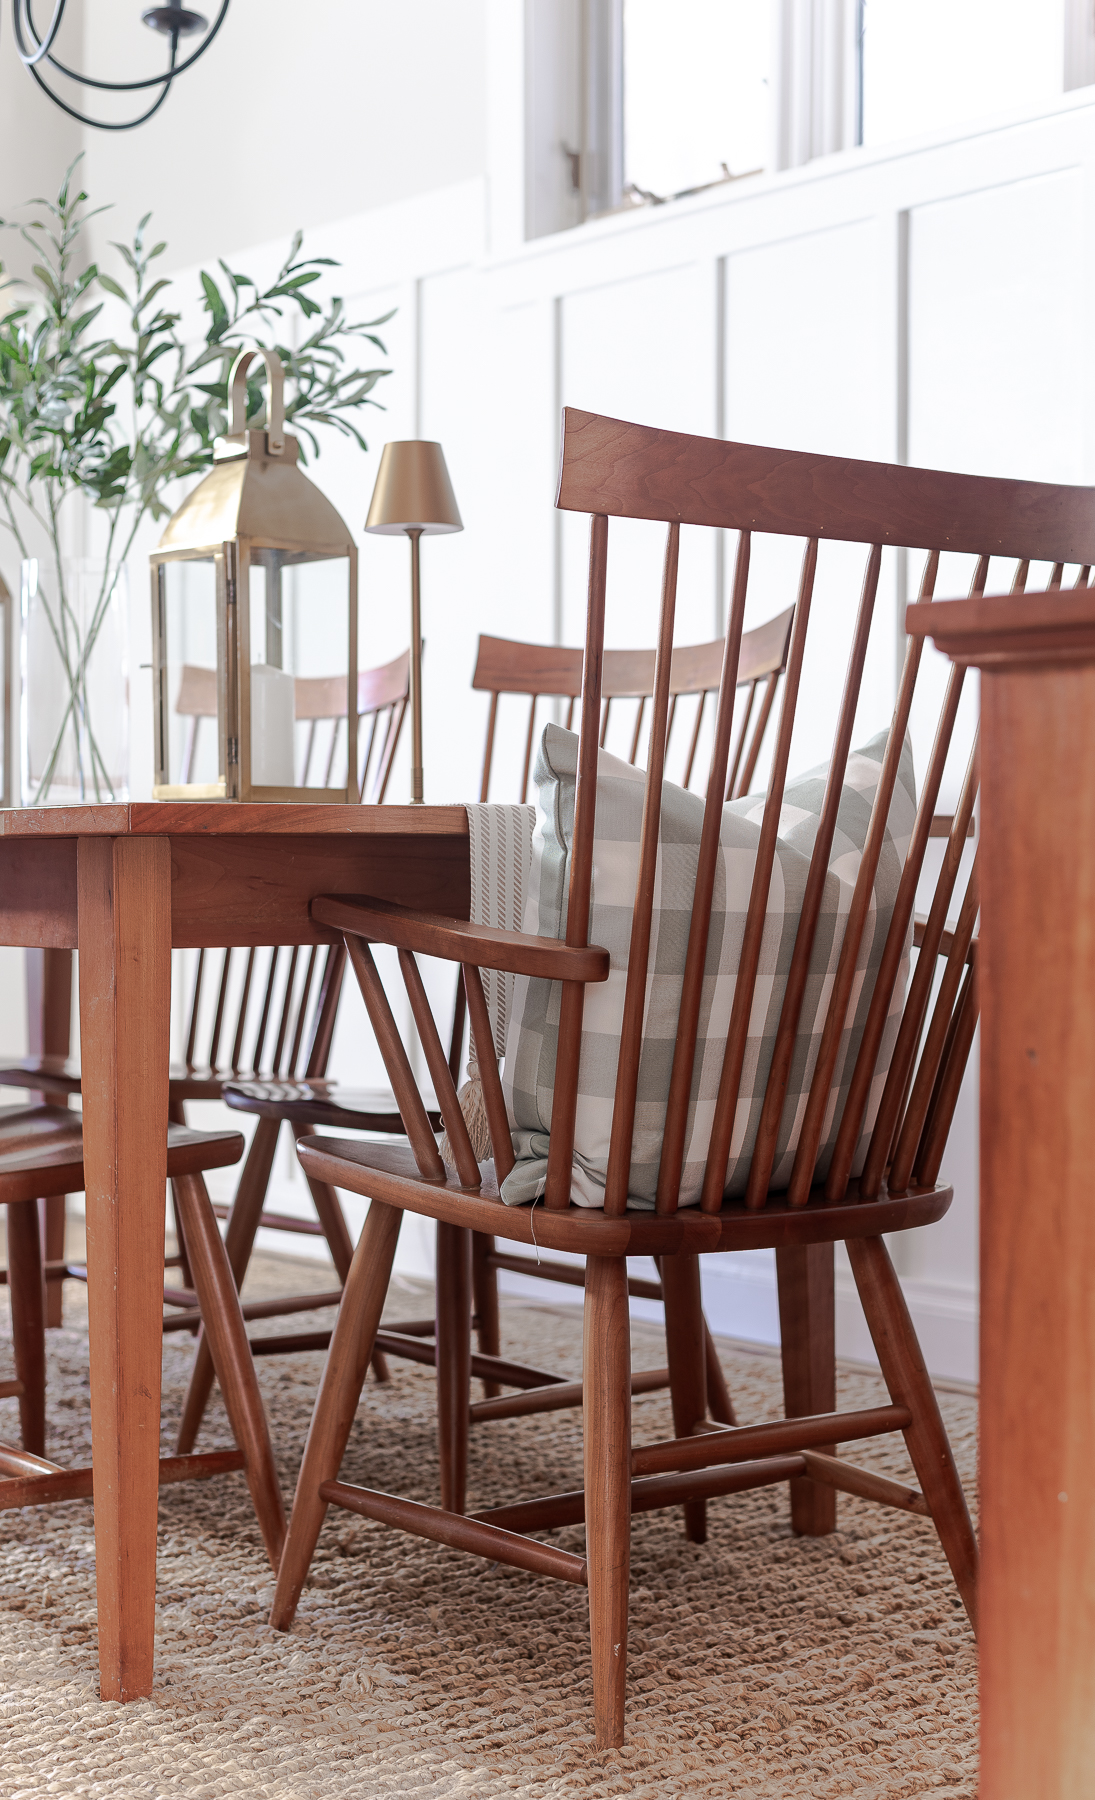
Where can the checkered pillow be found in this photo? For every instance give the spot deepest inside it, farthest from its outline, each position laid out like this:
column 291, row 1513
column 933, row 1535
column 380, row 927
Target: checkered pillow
column 529, row 1073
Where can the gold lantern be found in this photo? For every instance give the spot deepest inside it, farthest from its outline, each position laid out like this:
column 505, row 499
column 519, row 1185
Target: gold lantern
column 254, row 625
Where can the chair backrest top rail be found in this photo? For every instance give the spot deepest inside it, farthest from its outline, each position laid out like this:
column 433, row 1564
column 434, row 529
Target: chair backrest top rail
column 623, row 470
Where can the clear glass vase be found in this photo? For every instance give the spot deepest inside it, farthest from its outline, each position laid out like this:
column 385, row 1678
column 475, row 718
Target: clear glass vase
column 74, row 683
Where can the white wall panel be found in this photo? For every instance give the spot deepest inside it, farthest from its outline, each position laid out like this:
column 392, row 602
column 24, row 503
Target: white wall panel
column 999, row 327
column 644, row 350
column 809, row 366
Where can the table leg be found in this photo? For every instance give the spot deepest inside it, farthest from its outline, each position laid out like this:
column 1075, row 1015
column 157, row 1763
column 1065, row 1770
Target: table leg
column 1037, row 976
column 124, row 925
column 49, row 1025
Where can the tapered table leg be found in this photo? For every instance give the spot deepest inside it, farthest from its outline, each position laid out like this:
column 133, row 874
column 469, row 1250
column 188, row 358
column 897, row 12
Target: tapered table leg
column 1036, row 964
column 124, row 924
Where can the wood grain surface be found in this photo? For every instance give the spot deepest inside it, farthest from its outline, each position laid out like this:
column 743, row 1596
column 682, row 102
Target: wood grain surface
column 125, row 997
column 631, row 471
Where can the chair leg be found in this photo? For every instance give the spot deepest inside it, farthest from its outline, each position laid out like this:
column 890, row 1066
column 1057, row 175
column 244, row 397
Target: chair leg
column 186, row 1273
column 28, row 1320
column 807, row 1325
column 51, row 1218
column 686, row 1347
column 339, row 1242
column 336, row 1402
column 910, row 1385
column 243, row 1223
column 484, row 1292
column 606, row 1407
column 719, row 1404
column 453, row 1337
column 231, row 1355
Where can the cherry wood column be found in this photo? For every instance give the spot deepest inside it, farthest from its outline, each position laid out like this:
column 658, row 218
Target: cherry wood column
column 1037, row 980
column 49, row 1029
column 124, row 915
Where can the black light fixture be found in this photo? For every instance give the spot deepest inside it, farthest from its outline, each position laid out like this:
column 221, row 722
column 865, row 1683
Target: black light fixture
column 173, row 21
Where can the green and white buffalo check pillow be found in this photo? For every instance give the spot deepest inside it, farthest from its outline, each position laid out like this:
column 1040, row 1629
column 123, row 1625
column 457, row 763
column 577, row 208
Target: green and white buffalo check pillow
column 529, row 1072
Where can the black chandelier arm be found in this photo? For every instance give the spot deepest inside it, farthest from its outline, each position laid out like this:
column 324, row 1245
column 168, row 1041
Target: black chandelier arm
column 114, row 87
column 42, row 46
column 123, row 124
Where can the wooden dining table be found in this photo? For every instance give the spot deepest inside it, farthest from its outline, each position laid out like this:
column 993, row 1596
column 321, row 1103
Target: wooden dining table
column 124, row 885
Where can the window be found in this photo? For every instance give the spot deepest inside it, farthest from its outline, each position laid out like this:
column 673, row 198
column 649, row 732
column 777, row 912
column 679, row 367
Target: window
column 634, row 101
column 927, row 64
column 695, row 93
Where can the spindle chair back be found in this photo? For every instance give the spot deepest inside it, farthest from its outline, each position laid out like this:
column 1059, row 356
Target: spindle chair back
column 382, row 697
column 505, row 667
column 882, row 1172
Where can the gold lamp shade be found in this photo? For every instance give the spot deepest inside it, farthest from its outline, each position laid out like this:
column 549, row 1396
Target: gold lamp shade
column 413, row 491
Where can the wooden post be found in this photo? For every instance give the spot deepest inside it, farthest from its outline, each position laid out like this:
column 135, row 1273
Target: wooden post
column 124, row 905
column 1037, row 1171
column 49, row 1029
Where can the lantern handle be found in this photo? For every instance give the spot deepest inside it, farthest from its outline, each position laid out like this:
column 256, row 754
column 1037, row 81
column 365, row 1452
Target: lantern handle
column 275, row 403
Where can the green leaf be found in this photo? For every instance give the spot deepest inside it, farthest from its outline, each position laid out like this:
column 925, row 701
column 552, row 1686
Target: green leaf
column 214, row 298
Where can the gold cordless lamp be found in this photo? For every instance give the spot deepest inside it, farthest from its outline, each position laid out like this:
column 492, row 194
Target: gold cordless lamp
column 413, row 493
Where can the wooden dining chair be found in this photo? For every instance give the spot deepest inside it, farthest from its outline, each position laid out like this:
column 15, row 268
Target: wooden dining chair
column 320, row 701
column 509, row 669
column 41, row 1153
column 859, row 1124
column 505, row 668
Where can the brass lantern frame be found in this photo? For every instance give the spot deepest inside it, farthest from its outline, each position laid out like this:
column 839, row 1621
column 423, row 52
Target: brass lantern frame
column 255, row 482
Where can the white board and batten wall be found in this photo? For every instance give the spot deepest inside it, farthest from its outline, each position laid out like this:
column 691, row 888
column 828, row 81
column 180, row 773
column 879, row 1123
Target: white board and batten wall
column 927, row 302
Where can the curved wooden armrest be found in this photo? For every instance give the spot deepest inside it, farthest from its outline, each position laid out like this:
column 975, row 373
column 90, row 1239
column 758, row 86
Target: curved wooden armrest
column 456, row 940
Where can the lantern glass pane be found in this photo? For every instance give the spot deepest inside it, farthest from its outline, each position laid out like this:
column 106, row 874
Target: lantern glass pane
column 299, row 623
column 189, row 598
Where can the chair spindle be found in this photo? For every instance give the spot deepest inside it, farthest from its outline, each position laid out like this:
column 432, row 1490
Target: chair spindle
column 764, row 1153
column 627, row 1068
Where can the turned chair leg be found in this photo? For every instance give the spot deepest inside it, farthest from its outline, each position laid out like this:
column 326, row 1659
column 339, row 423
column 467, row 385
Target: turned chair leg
column 453, row 1338
column 606, row 1407
column 243, row 1223
column 51, row 1218
column 28, row 1320
column 336, row 1402
column 719, row 1404
column 686, row 1347
column 484, row 1293
column 807, row 1325
column 907, row 1378
column 231, row 1356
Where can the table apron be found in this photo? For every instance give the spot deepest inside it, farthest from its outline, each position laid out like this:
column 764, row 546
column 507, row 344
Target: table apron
column 245, row 890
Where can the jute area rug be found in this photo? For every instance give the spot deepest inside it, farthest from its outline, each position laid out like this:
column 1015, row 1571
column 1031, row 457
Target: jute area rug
column 760, row 1665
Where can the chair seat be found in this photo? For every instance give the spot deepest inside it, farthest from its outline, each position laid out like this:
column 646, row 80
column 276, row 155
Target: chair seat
column 45, row 1074
column 42, row 1152
column 61, row 1075
column 320, row 1102
column 388, row 1173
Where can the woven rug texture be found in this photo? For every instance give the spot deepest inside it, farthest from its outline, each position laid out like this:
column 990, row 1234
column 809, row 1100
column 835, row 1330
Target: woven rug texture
column 761, row 1665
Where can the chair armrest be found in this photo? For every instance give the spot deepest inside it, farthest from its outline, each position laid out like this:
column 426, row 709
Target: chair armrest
column 456, row 940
